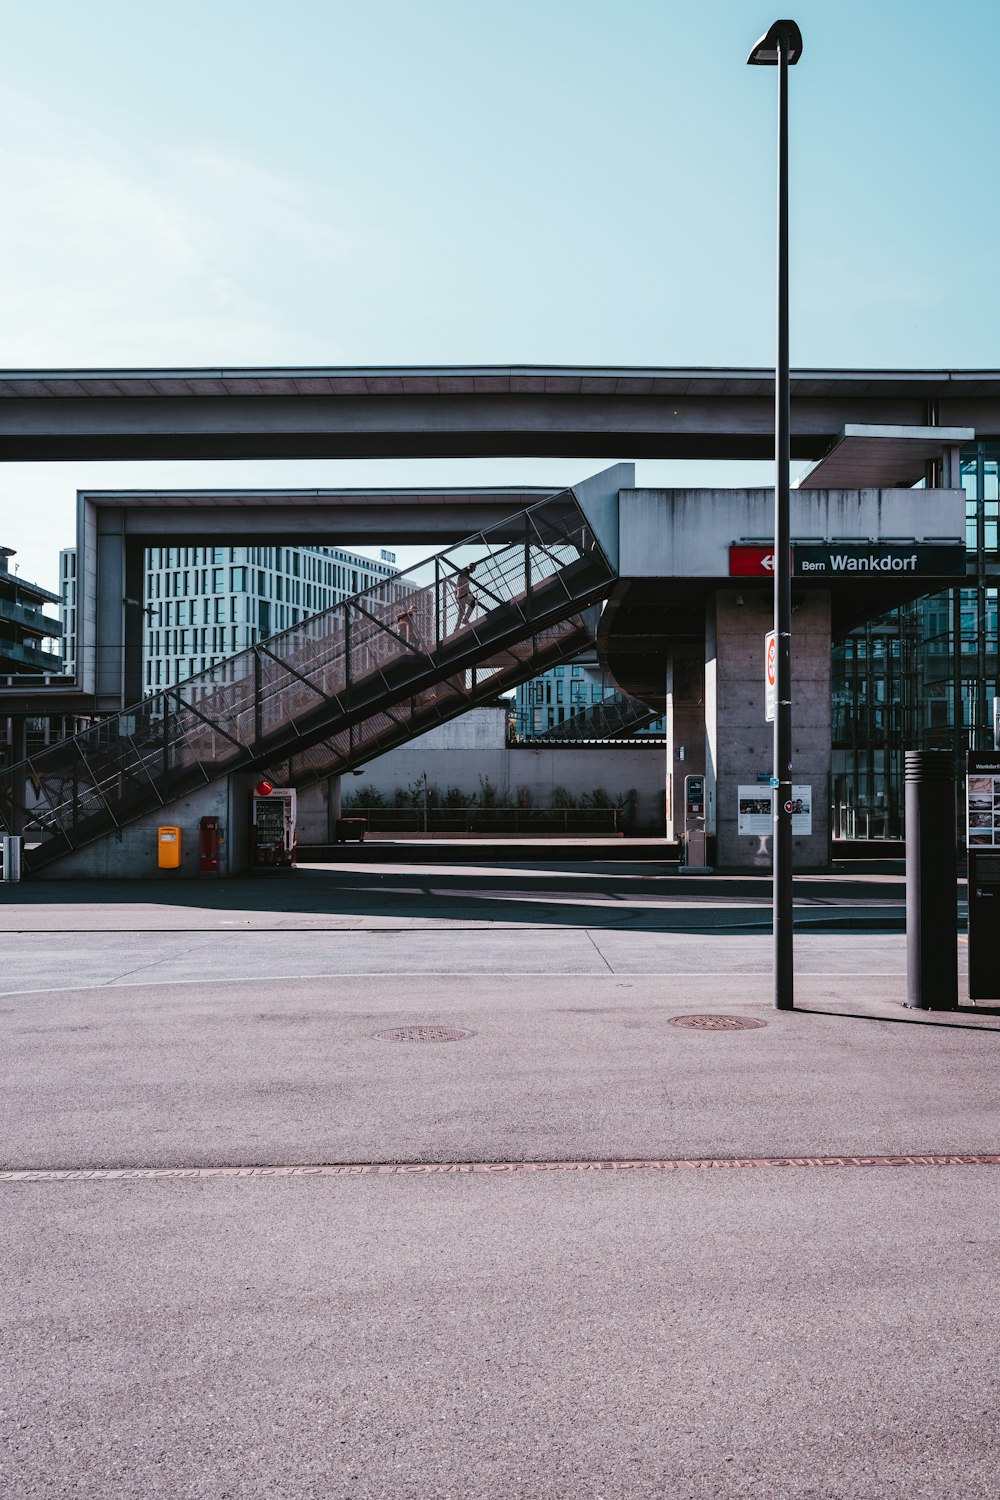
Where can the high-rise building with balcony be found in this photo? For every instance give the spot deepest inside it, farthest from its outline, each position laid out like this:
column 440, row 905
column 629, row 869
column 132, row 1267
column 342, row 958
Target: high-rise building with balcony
column 27, row 634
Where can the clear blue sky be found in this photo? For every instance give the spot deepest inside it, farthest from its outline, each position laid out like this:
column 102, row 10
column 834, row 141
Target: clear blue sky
column 561, row 181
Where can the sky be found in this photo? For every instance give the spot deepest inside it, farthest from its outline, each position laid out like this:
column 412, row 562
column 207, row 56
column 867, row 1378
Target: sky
column 328, row 182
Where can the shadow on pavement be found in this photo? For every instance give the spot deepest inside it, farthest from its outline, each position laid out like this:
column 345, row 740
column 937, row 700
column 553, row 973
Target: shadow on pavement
column 913, row 1017
column 641, row 899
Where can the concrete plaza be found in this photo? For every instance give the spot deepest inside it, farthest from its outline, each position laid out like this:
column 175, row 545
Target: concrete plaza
column 534, row 1327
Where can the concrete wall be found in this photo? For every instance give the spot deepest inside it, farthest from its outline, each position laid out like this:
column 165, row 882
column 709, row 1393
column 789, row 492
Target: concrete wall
column 130, row 852
column 597, row 497
column 687, row 533
column 458, row 753
column 738, row 739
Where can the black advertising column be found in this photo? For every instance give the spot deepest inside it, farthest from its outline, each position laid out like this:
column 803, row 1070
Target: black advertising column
column 982, row 803
column 931, row 881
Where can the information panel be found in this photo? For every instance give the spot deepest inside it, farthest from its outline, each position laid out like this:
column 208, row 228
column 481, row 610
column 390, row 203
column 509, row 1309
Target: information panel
column 755, row 816
column 982, row 801
column 982, row 821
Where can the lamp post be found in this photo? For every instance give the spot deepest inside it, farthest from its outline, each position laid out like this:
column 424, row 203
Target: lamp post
column 781, row 46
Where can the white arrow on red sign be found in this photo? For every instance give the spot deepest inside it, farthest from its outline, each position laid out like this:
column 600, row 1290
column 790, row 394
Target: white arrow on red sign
column 747, row 560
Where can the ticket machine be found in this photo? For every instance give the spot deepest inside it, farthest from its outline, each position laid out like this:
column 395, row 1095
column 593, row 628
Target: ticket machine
column 274, row 835
column 695, row 854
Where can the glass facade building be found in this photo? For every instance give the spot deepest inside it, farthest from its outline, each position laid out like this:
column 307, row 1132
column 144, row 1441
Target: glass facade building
column 922, row 677
column 203, row 603
column 553, row 697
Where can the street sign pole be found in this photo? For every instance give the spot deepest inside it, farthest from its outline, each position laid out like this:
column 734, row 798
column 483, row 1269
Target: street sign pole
column 784, row 992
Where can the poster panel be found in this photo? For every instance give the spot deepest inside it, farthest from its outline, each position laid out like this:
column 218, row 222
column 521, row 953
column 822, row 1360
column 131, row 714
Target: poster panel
column 754, row 816
column 802, row 814
column 982, row 801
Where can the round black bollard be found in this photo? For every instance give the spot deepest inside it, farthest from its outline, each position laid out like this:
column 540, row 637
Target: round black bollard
column 931, row 881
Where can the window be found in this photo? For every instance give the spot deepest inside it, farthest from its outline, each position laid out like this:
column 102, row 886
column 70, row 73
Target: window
column 218, row 579
column 238, row 580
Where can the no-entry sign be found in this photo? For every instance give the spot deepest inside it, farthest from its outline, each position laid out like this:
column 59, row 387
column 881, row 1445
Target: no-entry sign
column 770, row 675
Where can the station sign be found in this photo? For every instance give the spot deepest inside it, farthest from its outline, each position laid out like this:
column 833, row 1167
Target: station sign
column 751, row 562
column 877, row 560
column 852, row 560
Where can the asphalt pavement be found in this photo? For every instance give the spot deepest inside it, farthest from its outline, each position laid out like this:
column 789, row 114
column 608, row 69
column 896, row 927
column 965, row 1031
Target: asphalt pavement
column 268, row 1232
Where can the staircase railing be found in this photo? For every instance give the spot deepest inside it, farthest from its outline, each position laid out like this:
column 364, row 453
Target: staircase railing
column 618, row 714
column 451, row 626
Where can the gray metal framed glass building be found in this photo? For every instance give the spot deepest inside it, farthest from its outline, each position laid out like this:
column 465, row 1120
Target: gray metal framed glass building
column 922, row 676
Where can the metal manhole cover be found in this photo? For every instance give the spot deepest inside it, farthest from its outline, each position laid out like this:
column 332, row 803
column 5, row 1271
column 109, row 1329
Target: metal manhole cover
column 717, row 1023
column 422, row 1034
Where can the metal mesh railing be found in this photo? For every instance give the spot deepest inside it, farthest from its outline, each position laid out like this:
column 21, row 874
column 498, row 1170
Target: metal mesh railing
column 446, row 699
column 618, row 714
column 355, row 676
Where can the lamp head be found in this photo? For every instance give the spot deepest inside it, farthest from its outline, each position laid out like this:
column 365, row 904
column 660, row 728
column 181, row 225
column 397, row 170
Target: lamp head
column 765, row 52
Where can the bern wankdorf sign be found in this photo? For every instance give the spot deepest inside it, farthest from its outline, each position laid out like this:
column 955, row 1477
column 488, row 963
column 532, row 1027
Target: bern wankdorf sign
column 877, row 559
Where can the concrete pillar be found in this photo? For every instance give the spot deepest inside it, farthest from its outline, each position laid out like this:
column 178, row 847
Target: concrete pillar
column 685, row 718
column 19, row 781
column 110, row 626
column 333, row 807
column 134, row 622
column 738, row 738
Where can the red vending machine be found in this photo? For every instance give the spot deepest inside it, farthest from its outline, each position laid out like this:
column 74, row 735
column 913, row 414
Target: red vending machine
column 274, row 835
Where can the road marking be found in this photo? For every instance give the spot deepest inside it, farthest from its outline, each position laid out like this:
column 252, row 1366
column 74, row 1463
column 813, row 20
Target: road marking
column 444, row 1169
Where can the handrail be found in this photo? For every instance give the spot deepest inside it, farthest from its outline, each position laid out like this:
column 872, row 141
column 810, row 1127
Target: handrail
column 334, row 689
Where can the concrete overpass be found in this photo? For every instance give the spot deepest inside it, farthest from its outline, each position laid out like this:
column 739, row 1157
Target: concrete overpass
column 860, row 428
column 468, row 411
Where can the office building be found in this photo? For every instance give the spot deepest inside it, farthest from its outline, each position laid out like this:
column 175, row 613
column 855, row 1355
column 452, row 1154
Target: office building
column 549, row 700
column 921, row 677
column 203, row 603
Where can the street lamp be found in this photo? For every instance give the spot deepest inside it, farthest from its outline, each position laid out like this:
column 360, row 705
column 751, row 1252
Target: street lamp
column 781, row 46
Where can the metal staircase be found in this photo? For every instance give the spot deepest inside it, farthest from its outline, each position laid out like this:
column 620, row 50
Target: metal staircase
column 335, row 690
column 618, row 716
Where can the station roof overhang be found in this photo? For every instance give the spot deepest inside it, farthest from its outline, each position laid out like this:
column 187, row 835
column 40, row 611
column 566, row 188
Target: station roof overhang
column 643, row 622
column 882, row 457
